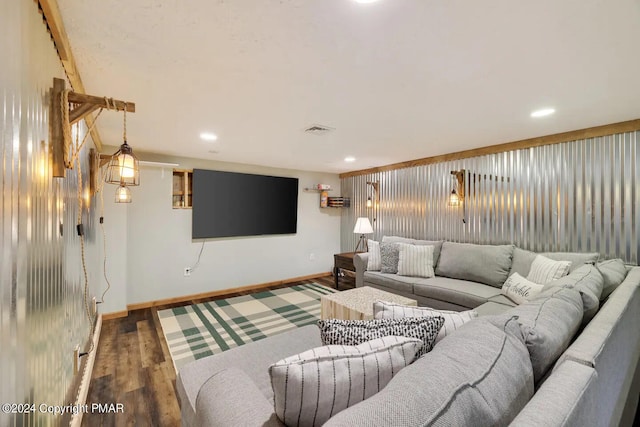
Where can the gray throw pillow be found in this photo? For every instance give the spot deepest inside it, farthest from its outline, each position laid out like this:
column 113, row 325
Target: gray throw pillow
column 613, row 273
column 589, row 282
column 488, row 264
column 389, row 257
column 354, row 332
column 478, row 376
column 548, row 322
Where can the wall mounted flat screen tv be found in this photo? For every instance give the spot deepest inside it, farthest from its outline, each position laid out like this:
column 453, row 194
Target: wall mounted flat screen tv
column 230, row 204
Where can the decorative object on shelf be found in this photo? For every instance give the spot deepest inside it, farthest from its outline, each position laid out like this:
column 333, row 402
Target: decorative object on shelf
column 182, row 197
column 375, row 201
column 123, row 167
column 324, row 187
column 456, row 198
column 339, row 202
column 324, row 199
column 363, row 226
column 123, row 194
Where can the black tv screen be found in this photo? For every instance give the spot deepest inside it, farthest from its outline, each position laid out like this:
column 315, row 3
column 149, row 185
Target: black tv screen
column 229, row 204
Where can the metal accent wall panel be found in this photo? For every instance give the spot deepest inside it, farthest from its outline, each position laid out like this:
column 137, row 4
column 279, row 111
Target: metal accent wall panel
column 575, row 196
column 42, row 309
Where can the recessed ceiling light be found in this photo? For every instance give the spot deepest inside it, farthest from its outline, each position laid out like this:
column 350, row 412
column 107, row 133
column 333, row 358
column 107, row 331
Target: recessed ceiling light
column 349, row 159
column 208, row 136
column 543, row 112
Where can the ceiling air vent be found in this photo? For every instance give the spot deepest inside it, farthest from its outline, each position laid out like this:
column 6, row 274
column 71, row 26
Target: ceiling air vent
column 318, row 130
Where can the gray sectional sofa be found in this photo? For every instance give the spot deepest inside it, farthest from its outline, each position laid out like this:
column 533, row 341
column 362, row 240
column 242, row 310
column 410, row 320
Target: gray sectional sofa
column 583, row 352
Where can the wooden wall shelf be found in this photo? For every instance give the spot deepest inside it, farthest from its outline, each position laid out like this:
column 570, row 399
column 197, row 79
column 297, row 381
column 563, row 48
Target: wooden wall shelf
column 182, row 197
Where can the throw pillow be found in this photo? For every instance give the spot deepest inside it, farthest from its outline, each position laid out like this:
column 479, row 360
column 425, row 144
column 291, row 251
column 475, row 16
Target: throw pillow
column 452, row 319
column 520, row 290
column 613, row 273
column 389, row 254
column 374, row 262
column 311, row 387
column 354, row 332
column 479, row 376
column 544, row 270
column 415, row 261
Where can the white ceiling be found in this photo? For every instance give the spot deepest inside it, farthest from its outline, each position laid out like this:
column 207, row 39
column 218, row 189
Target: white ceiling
column 397, row 79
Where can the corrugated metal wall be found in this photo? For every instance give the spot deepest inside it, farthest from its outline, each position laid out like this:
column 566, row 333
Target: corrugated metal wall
column 42, row 312
column 575, row 196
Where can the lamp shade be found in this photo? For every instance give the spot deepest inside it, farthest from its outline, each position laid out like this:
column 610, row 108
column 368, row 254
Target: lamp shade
column 363, row 226
column 123, row 194
column 123, row 167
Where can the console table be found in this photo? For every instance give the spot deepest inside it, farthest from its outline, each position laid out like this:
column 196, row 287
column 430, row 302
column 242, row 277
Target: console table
column 343, row 261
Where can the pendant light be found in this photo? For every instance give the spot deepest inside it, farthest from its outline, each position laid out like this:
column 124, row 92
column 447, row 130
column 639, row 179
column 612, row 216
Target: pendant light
column 123, row 168
column 123, row 194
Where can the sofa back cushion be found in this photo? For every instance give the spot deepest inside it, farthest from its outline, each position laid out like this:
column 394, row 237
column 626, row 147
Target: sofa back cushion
column 488, row 264
column 437, row 244
column 548, row 324
column 613, row 273
column 479, row 375
column 522, row 260
column 589, row 282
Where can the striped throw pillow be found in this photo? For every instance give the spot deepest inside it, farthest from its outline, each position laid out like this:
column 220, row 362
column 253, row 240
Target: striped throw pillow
column 375, row 261
column 544, row 270
column 452, row 319
column 311, row 387
column 416, row 261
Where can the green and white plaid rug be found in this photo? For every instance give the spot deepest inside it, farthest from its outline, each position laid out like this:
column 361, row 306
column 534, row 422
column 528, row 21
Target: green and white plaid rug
column 196, row 331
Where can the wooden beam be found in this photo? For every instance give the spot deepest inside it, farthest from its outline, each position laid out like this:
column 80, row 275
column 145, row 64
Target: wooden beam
column 52, row 17
column 592, row 132
column 56, row 138
column 78, row 113
column 81, row 98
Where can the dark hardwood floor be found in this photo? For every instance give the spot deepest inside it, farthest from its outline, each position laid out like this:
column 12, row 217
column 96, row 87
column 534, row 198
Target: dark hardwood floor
column 133, row 367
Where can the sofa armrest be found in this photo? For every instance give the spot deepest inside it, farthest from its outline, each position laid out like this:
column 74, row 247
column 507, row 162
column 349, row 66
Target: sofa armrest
column 230, row 398
column 360, row 261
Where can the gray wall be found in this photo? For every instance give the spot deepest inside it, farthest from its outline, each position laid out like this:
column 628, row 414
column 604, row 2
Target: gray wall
column 42, row 311
column 575, row 196
column 159, row 245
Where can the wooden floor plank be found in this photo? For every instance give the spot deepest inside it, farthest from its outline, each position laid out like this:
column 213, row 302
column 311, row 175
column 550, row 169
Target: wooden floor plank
column 134, row 367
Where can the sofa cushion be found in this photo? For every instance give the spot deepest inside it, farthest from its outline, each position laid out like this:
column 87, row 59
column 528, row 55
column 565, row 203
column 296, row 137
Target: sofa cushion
column 519, row 290
column 355, row 332
column 393, row 281
column 489, row 264
column 415, row 260
column 374, row 261
column 549, row 323
column 389, row 255
column 454, row 385
column 437, row 244
column 544, row 270
column 501, row 299
column 460, row 292
column 613, row 272
column 491, row 308
column 452, row 319
column 522, row 259
column 310, row 387
column 589, row 282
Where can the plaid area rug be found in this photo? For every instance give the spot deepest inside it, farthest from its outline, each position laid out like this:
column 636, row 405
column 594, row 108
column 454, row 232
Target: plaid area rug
column 196, row 331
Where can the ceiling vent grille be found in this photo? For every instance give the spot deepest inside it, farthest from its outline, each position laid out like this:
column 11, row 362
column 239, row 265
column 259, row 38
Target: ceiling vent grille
column 318, row 130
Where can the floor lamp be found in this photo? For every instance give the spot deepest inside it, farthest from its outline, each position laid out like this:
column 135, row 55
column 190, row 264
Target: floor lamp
column 363, row 226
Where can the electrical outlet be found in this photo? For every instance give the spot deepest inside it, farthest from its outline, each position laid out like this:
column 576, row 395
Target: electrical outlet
column 187, row 272
column 94, row 306
column 76, row 360
column 312, row 257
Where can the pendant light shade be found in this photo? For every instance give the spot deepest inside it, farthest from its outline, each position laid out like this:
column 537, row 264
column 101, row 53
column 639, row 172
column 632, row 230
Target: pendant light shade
column 123, row 167
column 123, row 194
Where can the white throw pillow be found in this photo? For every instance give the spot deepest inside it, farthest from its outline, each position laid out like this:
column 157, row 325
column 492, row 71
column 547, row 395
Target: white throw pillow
column 375, row 261
column 520, row 290
column 416, row 261
column 311, row 387
column 544, row 270
column 452, row 319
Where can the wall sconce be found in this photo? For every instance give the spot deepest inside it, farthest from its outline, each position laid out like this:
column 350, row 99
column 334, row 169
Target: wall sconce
column 363, row 226
column 123, row 194
column 376, row 194
column 123, row 167
column 456, row 197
